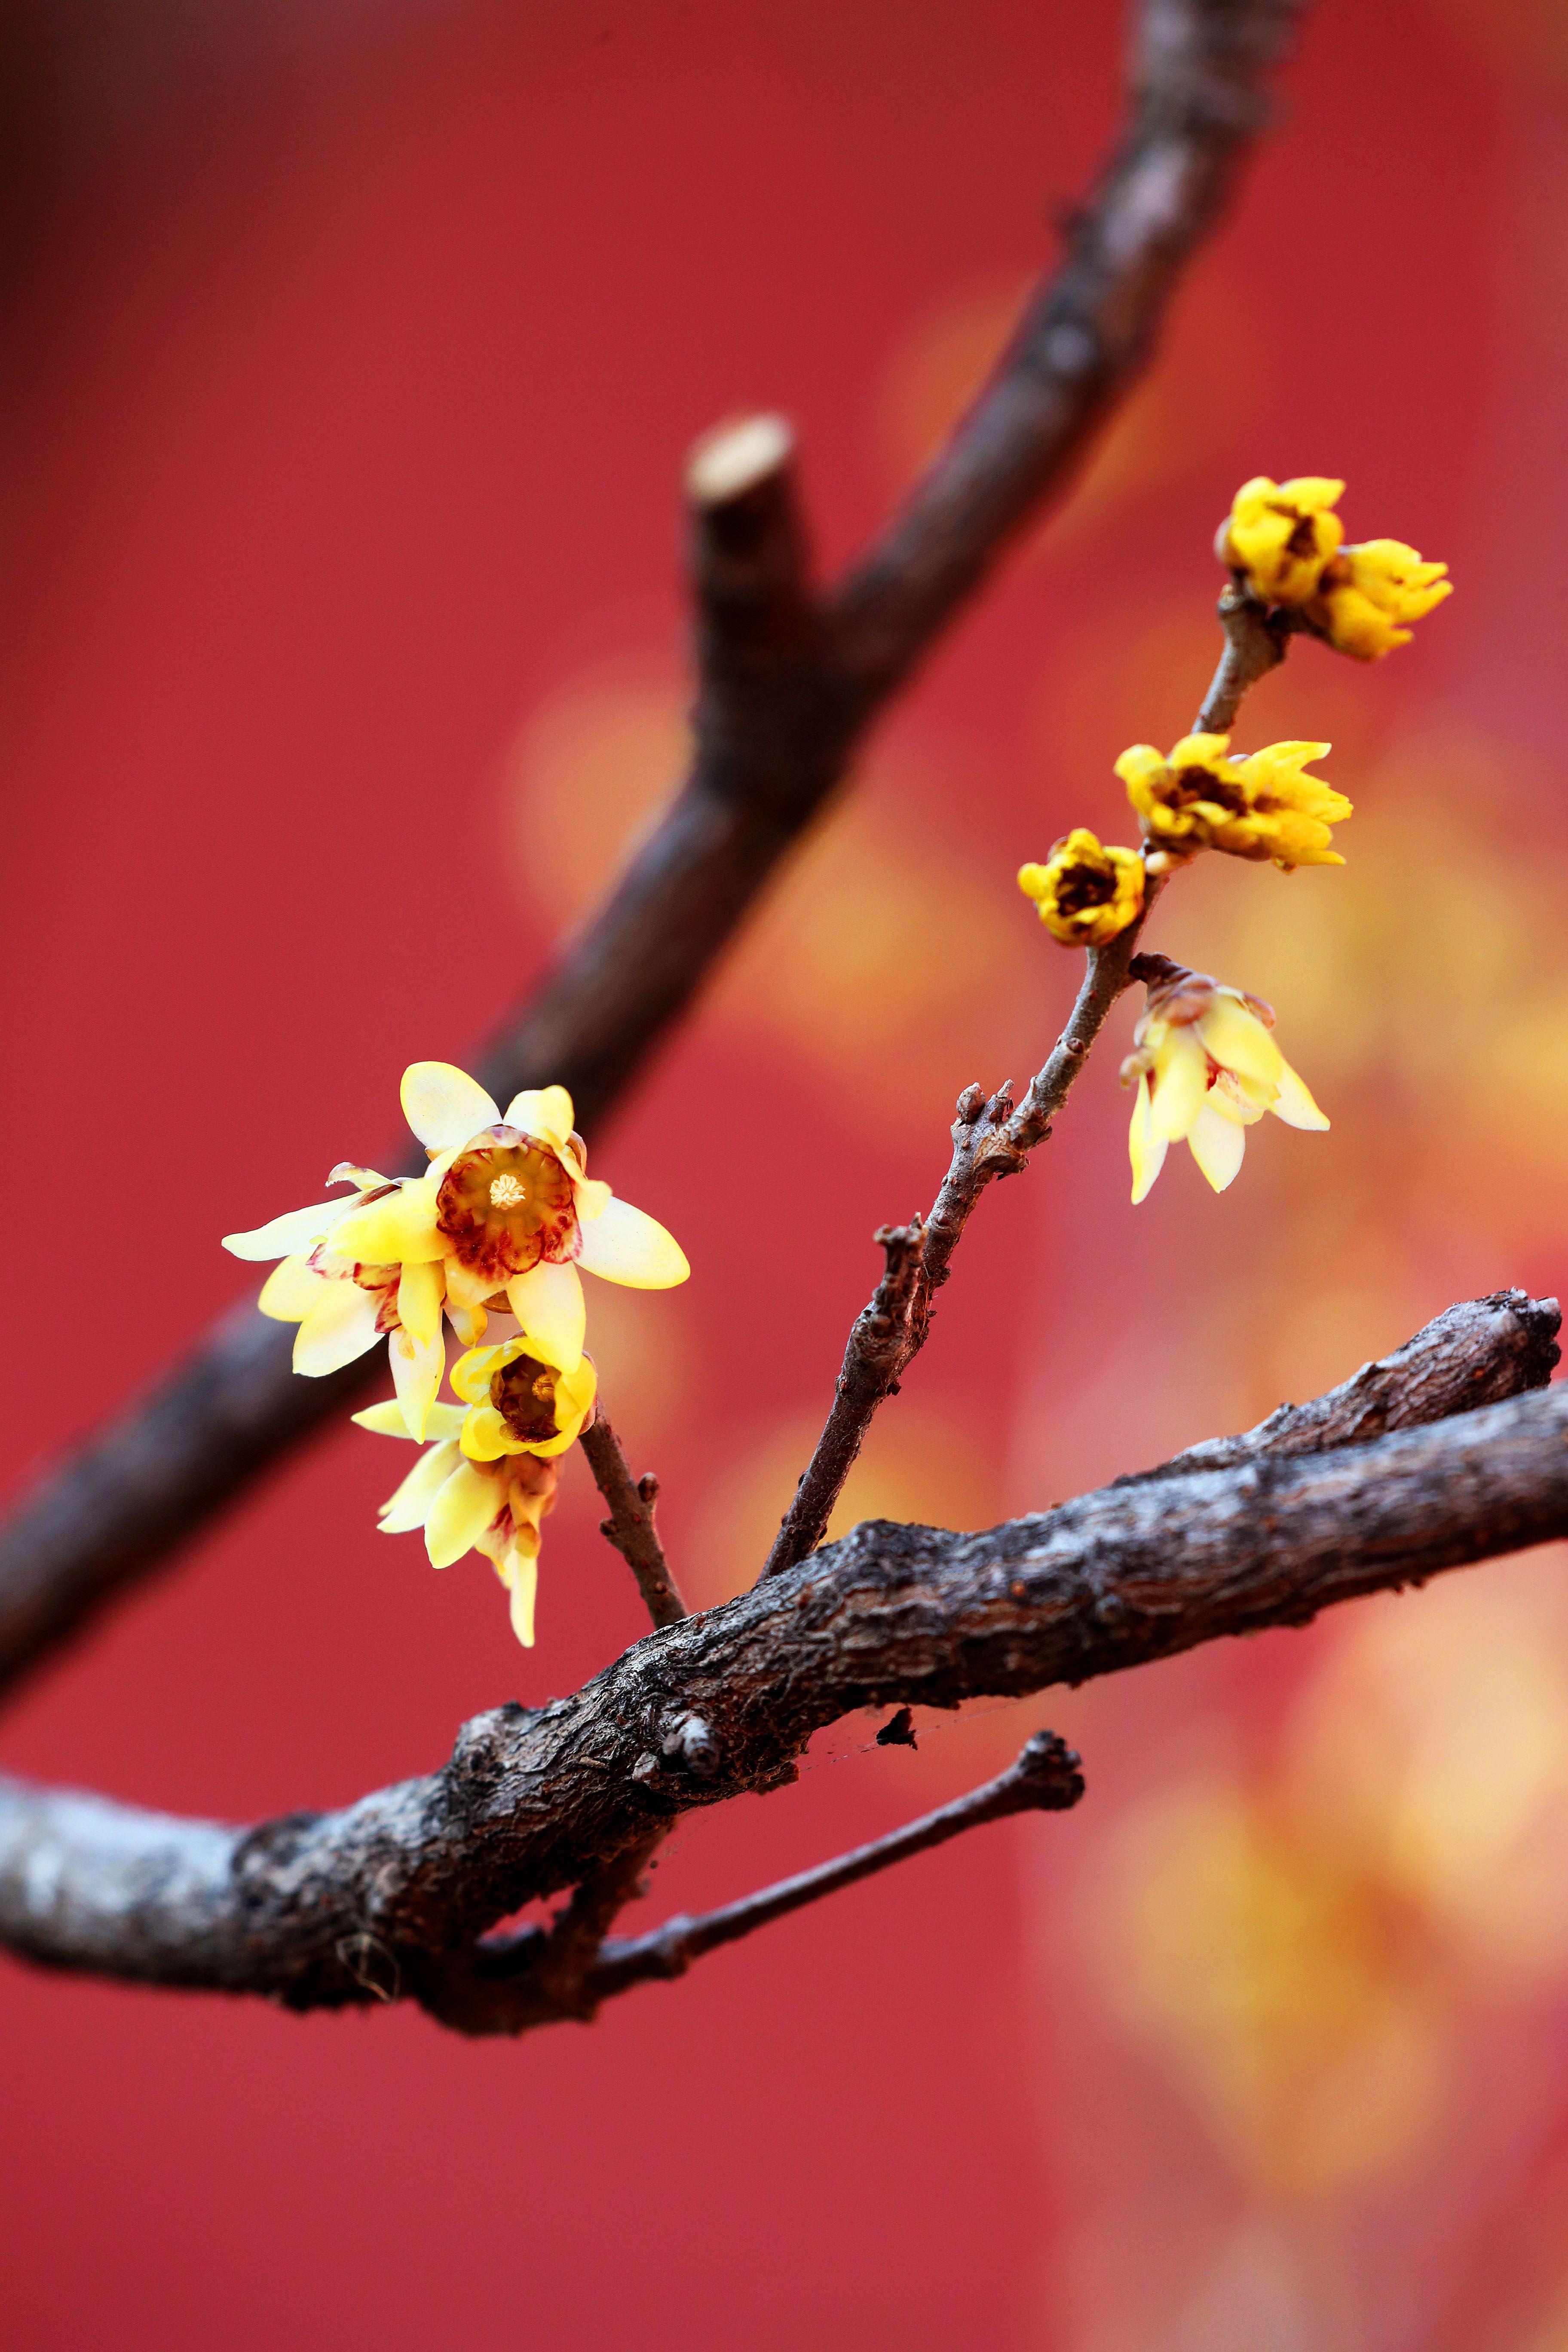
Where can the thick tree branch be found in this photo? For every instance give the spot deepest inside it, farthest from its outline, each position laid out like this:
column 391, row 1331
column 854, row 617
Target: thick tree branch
column 725, row 1702
column 630, row 1525
column 788, row 686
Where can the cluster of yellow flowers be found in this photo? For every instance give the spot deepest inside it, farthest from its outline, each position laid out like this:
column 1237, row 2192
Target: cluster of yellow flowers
column 496, row 1230
column 1204, row 1063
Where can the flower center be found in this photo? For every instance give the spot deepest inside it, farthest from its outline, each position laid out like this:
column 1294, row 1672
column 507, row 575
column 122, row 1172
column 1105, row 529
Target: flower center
column 1085, row 886
column 523, row 1393
column 505, row 1204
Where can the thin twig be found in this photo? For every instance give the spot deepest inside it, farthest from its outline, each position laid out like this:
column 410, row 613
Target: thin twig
column 789, row 686
column 630, row 1525
column 723, row 1703
column 1257, row 640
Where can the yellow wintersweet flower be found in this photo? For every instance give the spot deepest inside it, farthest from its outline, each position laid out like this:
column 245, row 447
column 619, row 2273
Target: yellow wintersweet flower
column 1369, row 590
column 1206, row 1070
column 344, row 1306
column 1085, row 894
column 520, row 1404
column 1280, row 534
column 501, row 1222
column 494, row 1507
column 1262, row 805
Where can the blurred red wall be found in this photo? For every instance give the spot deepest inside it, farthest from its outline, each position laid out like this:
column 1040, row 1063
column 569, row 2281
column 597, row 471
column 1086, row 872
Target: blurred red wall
column 350, row 379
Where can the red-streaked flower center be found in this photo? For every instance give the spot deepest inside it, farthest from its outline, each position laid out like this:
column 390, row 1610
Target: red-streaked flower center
column 505, row 1204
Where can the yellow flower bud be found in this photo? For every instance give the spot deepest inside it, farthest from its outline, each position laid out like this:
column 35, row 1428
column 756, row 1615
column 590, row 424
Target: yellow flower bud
column 1280, row 534
column 1367, row 591
column 1262, row 805
column 1085, row 894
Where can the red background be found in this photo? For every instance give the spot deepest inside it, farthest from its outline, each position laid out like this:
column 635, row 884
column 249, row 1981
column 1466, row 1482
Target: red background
column 353, row 356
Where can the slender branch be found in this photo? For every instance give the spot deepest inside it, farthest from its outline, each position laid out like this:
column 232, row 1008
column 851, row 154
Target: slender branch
column 630, row 1525
column 532, row 1800
column 503, row 1986
column 788, row 688
column 1257, row 640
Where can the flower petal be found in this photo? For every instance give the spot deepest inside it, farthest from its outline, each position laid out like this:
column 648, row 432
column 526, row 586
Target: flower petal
column 398, row 1231
column 419, row 1295
column 622, row 1244
column 364, row 1179
column 1181, row 1082
column 459, row 1513
column 417, row 1369
column 387, row 1419
column 1218, row 1145
column 472, row 1374
column 542, row 1110
column 290, row 1291
column 523, row 1580
column 548, row 1302
column 444, row 1105
column 1238, row 1041
column 293, row 1234
column 1294, row 1104
column 486, row 1437
column 339, row 1327
column 407, row 1509
column 1147, row 1149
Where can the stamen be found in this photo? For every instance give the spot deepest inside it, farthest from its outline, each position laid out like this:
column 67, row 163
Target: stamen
column 506, row 1193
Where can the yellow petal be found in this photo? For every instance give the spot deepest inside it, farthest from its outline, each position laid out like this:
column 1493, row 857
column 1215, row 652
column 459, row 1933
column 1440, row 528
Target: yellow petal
column 591, row 1197
column 419, row 1294
column 339, row 1327
column 542, row 1110
column 1181, row 1082
column 459, row 1513
column 486, row 1437
column 398, row 1231
column 1294, row 1104
column 472, row 1373
column 548, row 1302
column 1218, row 1144
column 622, row 1244
column 444, row 1105
column 388, row 1420
column 293, row 1234
column 290, row 1291
column 523, row 1580
column 575, row 1391
column 417, row 1369
column 364, row 1179
column 1147, row 1151
column 406, row 1509
column 1238, row 1041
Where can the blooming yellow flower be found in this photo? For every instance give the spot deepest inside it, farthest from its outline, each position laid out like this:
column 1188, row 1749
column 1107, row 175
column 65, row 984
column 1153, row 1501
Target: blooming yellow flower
column 1280, row 534
column 1207, row 1069
column 1085, row 894
column 1369, row 590
column 1262, row 805
column 503, row 1220
column 343, row 1305
column 490, row 1507
column 519, row 1405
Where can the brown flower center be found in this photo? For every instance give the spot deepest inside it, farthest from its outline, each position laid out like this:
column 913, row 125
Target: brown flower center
column 505, row 1204
column 1084, row 886
column 1203, row 784
column 523, row 1393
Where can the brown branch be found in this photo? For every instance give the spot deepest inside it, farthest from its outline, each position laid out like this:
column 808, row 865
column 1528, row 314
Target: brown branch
column 630, row 1525
column 788, row 688
column 533, row 1801
column 1257, row 640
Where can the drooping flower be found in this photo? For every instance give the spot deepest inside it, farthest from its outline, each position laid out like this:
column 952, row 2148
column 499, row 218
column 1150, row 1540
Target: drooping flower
column 1259, row 804
column 343, row 1305
column 1368, row 592
column 1207, row 1069
column 1085, row 894
column 1280, row 535
column 490, row 1507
